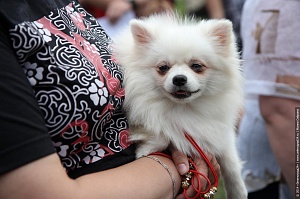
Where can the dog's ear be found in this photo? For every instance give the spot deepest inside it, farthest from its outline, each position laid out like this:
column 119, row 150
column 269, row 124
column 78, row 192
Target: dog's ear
column 222, row 32
column 139, row 32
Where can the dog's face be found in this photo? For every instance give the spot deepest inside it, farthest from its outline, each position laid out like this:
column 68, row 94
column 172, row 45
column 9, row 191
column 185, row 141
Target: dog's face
column 185, row 62
column 181, row 82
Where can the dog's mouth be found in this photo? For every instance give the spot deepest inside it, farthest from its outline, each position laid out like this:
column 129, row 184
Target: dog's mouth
column 182, row 94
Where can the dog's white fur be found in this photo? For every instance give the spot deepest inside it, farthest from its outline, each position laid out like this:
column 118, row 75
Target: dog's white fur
column 209, row 114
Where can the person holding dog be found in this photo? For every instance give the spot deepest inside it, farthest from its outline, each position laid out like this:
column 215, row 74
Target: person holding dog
column 64, row 133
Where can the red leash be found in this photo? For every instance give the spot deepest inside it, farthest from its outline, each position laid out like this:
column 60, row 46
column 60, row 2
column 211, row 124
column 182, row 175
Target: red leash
column 194, row 173
column 209, row 192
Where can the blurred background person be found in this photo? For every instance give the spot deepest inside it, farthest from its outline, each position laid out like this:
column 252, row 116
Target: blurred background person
column 205, row 9
column 218, row 9
column 113, row 15
column 266, row 139
column 233, row 12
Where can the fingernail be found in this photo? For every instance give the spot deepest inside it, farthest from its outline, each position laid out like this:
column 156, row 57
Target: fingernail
column 182, row 169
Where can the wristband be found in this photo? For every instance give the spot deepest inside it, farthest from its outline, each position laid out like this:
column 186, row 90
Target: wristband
column 167, row 169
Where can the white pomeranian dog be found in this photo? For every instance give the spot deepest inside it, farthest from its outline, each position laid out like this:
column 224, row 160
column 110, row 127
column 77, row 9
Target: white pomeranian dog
column 183, row 75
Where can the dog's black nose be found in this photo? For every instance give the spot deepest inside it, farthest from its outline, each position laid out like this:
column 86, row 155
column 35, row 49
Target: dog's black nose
column 179, row 80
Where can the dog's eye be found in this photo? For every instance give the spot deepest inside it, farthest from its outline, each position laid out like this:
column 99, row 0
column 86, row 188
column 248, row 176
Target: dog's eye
column 163, row 69
column 197, row 67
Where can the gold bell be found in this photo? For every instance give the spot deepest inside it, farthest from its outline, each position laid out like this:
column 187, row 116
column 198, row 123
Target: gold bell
column 211, row 193
column 185, row 184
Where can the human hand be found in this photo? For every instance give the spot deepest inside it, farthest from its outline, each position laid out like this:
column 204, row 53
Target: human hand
column 181, row 162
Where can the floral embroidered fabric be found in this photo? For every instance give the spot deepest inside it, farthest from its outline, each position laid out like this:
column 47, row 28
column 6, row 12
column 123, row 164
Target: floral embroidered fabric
column 66, row 57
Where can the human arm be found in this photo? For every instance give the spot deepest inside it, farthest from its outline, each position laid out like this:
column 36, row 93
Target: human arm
column 279, row 115
column 46, row 178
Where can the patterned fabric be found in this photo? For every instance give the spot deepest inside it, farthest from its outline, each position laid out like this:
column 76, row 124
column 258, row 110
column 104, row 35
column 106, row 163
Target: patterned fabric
column 67, row 59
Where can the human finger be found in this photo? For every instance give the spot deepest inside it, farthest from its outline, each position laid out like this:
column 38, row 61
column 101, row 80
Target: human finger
column 193, row 183
column 181, row 161
column 203, row 177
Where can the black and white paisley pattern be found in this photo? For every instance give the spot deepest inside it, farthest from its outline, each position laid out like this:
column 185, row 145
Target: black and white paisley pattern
column 67, row 60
